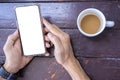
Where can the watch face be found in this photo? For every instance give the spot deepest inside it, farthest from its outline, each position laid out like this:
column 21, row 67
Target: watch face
column 6, row 75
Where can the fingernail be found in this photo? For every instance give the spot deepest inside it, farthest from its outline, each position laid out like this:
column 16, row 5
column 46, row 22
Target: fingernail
column 47, row 45
column 15, row 33
column 49, row 34
column 47, row 54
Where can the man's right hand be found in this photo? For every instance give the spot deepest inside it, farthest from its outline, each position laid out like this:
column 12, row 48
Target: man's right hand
column 61, row 40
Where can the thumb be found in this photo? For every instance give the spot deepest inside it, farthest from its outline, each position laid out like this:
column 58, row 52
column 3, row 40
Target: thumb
column 55, row 40
column 12, row 38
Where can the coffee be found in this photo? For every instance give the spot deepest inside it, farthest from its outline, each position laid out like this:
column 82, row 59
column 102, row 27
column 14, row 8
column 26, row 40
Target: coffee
column 90, row 24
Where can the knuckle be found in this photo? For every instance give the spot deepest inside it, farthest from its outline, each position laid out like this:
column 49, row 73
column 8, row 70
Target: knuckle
column 66, row 37
column 4, row 48
column 10, row 37
column 54, row 38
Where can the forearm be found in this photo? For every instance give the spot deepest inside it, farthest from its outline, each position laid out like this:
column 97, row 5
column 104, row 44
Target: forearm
column 75, row 70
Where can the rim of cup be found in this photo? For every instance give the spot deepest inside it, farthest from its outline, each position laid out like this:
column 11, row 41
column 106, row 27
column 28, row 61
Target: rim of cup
column 95, row 12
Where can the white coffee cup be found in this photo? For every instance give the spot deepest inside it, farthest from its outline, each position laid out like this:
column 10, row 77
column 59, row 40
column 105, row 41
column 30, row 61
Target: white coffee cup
column 100, row 15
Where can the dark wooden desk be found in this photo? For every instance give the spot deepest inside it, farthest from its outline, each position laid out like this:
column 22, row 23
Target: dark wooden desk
column 99, row 56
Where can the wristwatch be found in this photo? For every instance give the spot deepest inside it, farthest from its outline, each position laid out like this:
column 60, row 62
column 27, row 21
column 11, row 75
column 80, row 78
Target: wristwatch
column 6, row 75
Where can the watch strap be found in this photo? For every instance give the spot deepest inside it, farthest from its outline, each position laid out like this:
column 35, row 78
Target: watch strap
column 6, row 75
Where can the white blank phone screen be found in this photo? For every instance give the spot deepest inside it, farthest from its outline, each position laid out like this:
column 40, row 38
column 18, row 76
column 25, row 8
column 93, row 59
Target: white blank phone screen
column 30, row 28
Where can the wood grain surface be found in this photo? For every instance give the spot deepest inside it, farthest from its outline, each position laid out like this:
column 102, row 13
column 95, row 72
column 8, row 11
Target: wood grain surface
column 108, row 71
column 53, row 0
column 62, row 14
column 99, row 56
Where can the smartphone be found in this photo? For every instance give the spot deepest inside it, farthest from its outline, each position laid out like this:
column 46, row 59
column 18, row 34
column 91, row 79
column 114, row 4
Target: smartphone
column 30, row 30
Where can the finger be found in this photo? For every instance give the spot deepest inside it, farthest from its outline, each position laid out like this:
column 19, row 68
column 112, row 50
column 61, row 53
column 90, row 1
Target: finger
column 51, row 44
column 53, row 29
column 59, row 29
column 46, row 30
column 17, row 44
column 47, row 45
column 15, row 35
column 55, row 40
column 47, row 39
column 12, row 38
column 47, row 54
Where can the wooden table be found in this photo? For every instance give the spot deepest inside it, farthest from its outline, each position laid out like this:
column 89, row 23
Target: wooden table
column 99, row 56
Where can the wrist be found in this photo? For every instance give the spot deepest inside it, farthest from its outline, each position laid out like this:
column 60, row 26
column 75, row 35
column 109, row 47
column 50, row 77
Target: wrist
column 70, row 61
column 10, row 69
column 5, row 75
column 74, row 68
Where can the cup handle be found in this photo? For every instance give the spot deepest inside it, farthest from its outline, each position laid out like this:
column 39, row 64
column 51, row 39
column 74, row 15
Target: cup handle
column 110, row 24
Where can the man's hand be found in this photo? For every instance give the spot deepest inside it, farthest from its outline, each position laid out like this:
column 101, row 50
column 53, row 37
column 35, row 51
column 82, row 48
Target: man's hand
column 63, row 51
column 61, row 40
column 14, row 58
